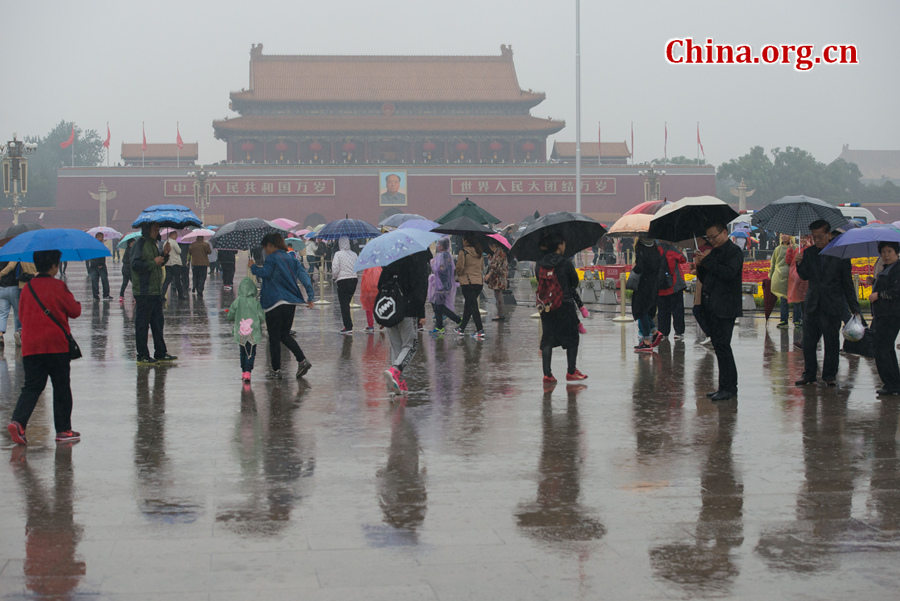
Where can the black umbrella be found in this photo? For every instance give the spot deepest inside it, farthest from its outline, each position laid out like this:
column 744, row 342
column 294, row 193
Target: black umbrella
column 689, row 217
column 462, row 226
column 579, row 231
column 20, row 228
column 793, row 214
column 244, row 234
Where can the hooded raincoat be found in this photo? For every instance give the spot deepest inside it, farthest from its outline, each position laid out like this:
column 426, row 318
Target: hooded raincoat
column 442, row 283
column 247, row 306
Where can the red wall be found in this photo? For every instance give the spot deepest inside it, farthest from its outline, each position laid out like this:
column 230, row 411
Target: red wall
column 355, row 192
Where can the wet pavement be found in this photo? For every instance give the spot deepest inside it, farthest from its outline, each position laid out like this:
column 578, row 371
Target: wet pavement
column 479, row 485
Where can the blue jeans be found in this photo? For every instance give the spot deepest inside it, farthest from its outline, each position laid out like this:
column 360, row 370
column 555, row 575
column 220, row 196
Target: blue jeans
column 248, row 356
column 645, row 326
column 9, row 299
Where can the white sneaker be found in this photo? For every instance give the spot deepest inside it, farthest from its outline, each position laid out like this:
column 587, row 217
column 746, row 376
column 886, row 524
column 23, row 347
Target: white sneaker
column 706, row 341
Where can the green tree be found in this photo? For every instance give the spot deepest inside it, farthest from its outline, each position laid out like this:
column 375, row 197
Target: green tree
column 43, row 164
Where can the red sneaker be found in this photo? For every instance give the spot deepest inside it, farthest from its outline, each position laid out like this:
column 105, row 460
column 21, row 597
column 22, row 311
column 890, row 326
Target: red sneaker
column 403, row 386
column 549, row 380
column 657, row 338
column 643, row 347
column 576, row 375
column 392, row 379
column 68, row 436
column 17, row 433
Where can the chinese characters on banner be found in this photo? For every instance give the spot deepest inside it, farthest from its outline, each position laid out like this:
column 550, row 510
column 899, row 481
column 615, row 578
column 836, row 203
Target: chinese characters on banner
column 282, row 186
column 525, row 186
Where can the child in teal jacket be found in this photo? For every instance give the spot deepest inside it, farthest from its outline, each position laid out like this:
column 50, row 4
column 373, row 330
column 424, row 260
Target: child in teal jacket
column 247, row 314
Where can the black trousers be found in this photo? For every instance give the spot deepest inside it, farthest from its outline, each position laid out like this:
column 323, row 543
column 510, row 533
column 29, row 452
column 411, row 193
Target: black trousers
column 346, row 288
column 227, row 274
column 173, row 278
column 278, row 324
column 470, row 308
column 37, row 369
column 126, row 277
column 442, row 311
column 148, row 312
column 818, row 325
column 571, row 358
column 671, row 312
column 720, row 330
column 199, row 278
column 700, row 315
column 98, row 275
column 886, row 329
column 248, row 356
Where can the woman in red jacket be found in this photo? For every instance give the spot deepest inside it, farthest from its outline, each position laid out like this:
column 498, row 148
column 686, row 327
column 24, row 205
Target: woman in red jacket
column 45, row 348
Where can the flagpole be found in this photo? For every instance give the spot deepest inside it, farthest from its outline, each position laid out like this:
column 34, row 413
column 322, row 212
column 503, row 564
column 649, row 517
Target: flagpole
column 698, row 142
column 177, row 149
column 578, row 106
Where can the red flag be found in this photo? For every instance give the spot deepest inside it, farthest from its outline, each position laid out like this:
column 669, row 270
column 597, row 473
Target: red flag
column 699, row 143
column 106, row 143
column 71, row 139
column 632, row 142
column 178, row 141
column 144, row 143
column 666, row 143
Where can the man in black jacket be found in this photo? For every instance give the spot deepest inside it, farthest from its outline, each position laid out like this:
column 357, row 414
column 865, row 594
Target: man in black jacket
column 720, row 269
column 96, row 269
column 829, row 294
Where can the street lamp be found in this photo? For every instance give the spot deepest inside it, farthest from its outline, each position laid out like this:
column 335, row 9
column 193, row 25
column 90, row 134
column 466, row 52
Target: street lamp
column 651, row 183
column 15, row 172
column 201, row 189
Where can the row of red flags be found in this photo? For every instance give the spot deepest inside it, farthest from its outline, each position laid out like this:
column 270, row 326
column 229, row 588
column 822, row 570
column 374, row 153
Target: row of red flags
column 666, row 142
column 178, row 141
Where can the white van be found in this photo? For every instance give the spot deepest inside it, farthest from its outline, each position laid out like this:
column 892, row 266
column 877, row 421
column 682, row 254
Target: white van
column 853, row 210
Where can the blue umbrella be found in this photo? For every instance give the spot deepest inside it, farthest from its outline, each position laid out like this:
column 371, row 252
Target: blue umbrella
column 426, row 225
column 393, row 246
column 740, row 234
column 74, row 244
column 124, row 241
column 175, row 216
column 354, row 229
column 862, row 242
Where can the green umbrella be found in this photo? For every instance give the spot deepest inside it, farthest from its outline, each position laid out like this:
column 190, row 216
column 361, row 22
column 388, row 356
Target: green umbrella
column 469, row 209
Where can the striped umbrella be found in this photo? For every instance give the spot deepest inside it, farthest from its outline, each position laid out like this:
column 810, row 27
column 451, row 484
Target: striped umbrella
column 354, row 229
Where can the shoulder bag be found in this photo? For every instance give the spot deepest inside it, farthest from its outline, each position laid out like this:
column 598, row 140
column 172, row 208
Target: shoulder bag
column 74, row 350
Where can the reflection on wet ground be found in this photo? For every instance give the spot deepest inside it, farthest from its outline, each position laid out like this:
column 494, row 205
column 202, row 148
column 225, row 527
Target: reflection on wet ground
column 478, row 485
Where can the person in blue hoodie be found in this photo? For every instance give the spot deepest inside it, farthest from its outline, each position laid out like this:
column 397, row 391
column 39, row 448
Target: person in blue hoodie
column 279, row 297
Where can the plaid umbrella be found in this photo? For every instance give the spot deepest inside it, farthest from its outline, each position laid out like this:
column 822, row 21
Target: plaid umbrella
column 243, row 234
column 793, row 214
column 354, row 229
column 177, row 216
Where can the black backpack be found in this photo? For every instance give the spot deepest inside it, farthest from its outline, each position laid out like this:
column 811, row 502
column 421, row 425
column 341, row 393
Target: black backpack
column 390, row 304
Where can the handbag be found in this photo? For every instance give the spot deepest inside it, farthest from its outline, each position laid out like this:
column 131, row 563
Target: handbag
column 74, row 349
column 634, row 279
column 390, row 304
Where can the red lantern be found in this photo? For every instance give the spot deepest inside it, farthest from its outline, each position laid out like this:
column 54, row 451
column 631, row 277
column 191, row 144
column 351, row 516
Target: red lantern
column 315, row 147
column 461, row 146
column 281, row 147
column 528, row 146
column 349, row 146
column 429, row 146
column 495, row 146
column 248, row 146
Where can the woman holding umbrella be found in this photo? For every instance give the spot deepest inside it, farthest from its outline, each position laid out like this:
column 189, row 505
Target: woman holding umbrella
column 647, row 265
column 885, row 300
column 279, row 297
column 469, row 275
column 559, row 325
column 496, row 277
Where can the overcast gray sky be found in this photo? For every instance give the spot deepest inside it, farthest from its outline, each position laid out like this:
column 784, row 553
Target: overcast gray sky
column 167, row 61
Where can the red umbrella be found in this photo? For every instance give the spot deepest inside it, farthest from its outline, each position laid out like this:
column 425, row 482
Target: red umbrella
column 768, row 298
column 649, row 207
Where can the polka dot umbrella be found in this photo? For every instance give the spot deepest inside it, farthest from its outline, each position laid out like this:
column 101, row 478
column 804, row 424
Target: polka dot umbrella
column 244, row 234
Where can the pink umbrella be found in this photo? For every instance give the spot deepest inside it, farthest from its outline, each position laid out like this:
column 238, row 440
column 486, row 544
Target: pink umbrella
column 164, row 232
column 108, row 232
column 301, row 233
column 194, row 234
column 503, row 241
column 285, row 224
